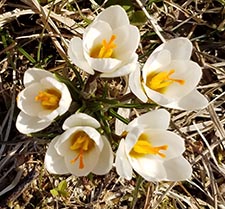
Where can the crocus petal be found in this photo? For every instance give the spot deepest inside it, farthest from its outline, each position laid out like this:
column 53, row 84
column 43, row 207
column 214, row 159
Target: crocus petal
column 26, row 99
column 105, row 65
column 33, row 75
column 114, row 15
column 95, row 34
column 121, row 71
column 180, row 48
column 177, row 169
column 192, row 101
column 157, row 97
column 123, row 166
column 105, row 160
column 53, row 162
column 90, row 160
column 48, row 115
column 188, row 71
column 149, row 169
column 63, row 144
column 27, row 124
column 156, row 61
column 80, row 119
column 65, row 99
column 132, row 137
column 135, row 84
column 76, row 54
column 155, row 119
column 163, row 137
column 127, row 40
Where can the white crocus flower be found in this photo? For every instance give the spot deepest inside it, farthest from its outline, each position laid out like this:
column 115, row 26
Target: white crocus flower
column 151, row 150
column 81, row 149
column 43, row 99
column 108, row 45
column 169, row 77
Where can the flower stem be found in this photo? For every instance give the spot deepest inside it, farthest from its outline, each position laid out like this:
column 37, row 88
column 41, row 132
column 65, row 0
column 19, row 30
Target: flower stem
column 135, row 192
column 116, row 115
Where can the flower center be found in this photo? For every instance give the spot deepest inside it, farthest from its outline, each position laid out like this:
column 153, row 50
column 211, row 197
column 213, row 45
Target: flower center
column 81, row 143
column 49, row 98
column 160, row 81
column 144, row 147
column 105, row 50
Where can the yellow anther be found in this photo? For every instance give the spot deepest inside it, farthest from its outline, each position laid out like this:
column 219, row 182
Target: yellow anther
column 49, row 98
column 160, row 81
column 80, row 142
column 105, row 50
column 144, row 147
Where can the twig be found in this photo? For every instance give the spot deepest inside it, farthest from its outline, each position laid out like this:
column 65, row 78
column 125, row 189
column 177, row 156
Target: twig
column 152, row 21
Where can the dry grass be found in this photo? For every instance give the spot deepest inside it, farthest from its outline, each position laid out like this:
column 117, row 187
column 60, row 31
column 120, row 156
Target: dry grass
column 35, row 35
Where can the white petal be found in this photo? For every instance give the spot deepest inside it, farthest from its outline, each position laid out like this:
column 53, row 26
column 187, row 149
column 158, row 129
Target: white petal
column 53, row 162
column 135, row 84
column 192, row 101
column 180, row 48
column 33, row 75
column 76, row 54
column 105, row 159
column 65, row 99
column 188, row 71
column 48, row 114
column 104, row 65
column 94, row 34
column 90, row 160
column 132, row 138
column 155, row 62
column 155, row 119
column 63, row 144
column 114, row 15
column 149, row 169
column 80, row 119
column 123, row 167
column 157, row 97
column 127, row 40
column 178, row 169
column 121, row 71
column 162, row 137
column 26, row 99
column 27, row 124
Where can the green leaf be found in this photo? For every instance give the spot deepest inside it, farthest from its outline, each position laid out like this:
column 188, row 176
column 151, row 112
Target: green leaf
column 62, row 186
column 138, row 18
column 26, row 54
column 54, row 192
column 64, row 193
column 126, row 4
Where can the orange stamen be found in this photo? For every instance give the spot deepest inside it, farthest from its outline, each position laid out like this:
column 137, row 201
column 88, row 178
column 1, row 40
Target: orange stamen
column 81, row 159
column 81, row 143
column 105, row 50
column 160, row 81
column 144, row 147
column 49, row 99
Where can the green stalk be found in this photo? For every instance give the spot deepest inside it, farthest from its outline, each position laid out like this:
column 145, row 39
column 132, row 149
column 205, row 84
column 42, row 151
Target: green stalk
column 135, row 192
column 116, row 115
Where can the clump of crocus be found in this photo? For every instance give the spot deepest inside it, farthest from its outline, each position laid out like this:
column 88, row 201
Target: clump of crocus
column 108, row 45
column 43, row 99
column 169, row 77
column 151, row 150
column 81, row 149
